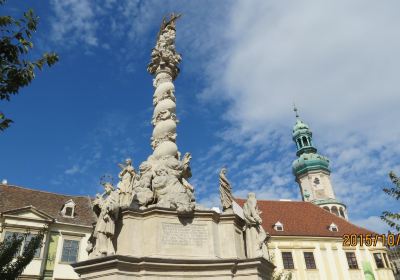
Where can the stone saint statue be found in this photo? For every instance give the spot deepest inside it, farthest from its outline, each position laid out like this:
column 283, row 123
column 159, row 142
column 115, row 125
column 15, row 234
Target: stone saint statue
column 256, row 237
column 225, row 191
column 125, row 185
column 106, row 207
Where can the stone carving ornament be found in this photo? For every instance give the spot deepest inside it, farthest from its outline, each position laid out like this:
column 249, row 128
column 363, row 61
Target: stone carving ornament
column 106, row 208
column 256, row 237
column 164, row 54
column 125, row 185
column 225, row 191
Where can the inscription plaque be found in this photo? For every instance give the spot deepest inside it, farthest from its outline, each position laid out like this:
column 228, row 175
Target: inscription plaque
column 179, row 235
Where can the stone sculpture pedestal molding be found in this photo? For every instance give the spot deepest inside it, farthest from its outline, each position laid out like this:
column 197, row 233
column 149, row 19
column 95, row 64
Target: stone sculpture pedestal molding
column 157, row 243
column 125, row 267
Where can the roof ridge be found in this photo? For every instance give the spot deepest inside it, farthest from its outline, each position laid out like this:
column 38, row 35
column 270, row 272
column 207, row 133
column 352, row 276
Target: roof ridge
column 36, row 190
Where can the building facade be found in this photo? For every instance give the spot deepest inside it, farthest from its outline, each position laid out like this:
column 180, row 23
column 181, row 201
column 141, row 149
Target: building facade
column 308, row 242
column 67, row 223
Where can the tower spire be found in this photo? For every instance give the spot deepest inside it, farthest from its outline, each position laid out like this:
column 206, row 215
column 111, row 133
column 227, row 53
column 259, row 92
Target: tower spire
column 295, row 110
column 312, row 171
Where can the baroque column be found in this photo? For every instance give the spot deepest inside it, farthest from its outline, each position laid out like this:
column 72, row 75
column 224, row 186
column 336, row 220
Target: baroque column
column 164, row 66
column 168, row 174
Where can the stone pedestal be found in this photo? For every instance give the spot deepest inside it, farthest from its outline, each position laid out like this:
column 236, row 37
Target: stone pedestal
column 158, row 243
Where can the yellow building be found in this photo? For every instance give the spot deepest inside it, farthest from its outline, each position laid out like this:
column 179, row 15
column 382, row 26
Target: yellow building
column 308, row 242
column 68, row 222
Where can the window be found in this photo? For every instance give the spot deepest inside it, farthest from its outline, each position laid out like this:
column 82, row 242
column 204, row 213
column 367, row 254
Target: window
column 316, row 181
column 305, row 142
column 351, row 260
column 309, row 259
column 333, row 227
column 278, row 226
column 335, row 211
column 378, row 260
column 386, row 260
column 326, row 208
column 287, row 259
column 70, row 251
column 26, row 239
column 299, row 143
column 341, row 212
column 68, row 211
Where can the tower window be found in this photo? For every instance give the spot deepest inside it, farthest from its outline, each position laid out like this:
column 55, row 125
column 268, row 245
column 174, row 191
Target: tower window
column 327, row 208
column 299, row 143
column 341, row 212
column 335, row 211
column 316, row 181
column 305, row 141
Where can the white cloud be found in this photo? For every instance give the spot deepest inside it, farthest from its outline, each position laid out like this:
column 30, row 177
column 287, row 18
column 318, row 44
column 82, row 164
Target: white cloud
column 373, row 222
column 339, row 62
column 74, row 22
column 73, row 170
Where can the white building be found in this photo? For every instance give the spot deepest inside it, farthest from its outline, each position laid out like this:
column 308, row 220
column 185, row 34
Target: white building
column 68, row 222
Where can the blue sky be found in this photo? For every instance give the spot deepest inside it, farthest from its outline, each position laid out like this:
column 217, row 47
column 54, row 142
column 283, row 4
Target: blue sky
column 244, row 64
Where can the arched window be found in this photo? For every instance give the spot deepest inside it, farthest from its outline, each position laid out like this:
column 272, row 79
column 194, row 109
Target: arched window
column 327, row 208
column 341, row 212
column 305, row 141
column 335, row 210
column 299, row 143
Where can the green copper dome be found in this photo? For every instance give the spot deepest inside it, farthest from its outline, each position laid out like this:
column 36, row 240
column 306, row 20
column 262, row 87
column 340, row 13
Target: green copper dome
column 310, row 161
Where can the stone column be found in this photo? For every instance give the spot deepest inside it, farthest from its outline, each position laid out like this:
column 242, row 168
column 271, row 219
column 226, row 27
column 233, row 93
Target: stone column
column 164, row 66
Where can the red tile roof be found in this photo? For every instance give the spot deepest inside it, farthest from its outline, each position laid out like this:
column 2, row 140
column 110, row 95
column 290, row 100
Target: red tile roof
column 301, row 218
column 14, row 197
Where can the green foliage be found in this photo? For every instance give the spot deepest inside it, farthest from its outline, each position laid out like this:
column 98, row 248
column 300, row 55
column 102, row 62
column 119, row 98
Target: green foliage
column 11, row 263
column 392, row 219
column 17, row 69
column 281, row 275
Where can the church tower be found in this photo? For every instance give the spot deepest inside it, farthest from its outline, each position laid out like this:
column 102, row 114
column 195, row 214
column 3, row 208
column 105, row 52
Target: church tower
column 312, row 172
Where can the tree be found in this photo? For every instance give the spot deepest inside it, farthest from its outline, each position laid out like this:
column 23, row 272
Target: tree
column 11, row 263
column 393, row 219
column 17, row 69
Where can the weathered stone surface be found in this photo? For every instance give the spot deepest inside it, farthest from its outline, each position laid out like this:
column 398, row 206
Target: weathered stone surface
column 156, row 243
column 225, row 192
column 256, row 237
column 148, row 268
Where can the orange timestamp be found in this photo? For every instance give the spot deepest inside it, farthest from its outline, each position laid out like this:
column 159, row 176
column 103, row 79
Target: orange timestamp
column 371, row 239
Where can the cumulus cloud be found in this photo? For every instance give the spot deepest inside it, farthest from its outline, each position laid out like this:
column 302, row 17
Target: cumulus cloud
column 338, row 61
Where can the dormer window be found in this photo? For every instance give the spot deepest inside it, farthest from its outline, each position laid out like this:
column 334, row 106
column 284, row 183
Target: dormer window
column 333, row 228
column 68, row 209
column 278, row 226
